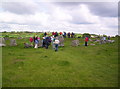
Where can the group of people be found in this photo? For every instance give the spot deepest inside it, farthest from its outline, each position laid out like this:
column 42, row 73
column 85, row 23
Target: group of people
column 45, row 41
column 64, row 34
column 104, row 39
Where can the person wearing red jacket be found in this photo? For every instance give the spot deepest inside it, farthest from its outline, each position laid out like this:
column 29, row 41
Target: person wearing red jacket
column 31, row 40
column 86, row 40
column 53, row 33
column 60, row 33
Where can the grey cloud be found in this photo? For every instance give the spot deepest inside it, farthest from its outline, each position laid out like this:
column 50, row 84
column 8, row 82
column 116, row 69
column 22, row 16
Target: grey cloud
column 84, row 22
column 79, row 20
column 104, row 9
column 67, row 3
column 19, row 7
column 119, row 9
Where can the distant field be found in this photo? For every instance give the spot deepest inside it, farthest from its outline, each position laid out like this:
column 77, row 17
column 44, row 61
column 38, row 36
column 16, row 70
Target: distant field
column 92, row 66
column 20, row 34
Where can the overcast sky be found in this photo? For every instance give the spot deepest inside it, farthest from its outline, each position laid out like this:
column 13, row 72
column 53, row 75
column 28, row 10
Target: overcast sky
column 80, row 17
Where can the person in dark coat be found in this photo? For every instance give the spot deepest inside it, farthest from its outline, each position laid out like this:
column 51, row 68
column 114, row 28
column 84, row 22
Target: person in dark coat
column 56, row 34
column 68, row 34
column 72, row 35
column 108, row 37
column 43, row 41
column 47, row 42
column 45, row 34
column 64, row 34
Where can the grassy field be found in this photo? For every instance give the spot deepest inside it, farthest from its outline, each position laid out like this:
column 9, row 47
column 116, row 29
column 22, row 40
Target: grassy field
column 92, row 66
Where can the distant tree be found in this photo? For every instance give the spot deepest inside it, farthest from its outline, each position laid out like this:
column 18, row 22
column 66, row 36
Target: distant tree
column 26, row 31
column 86, row 35
column 4, row 31
column 12, row 31
column 117, row 36
column 105, row 35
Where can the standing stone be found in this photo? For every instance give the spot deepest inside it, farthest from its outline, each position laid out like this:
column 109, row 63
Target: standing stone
column 90, row 40
column 75, row 43
column 19, row 37
column 97, row 40
column 26, row 45
column 2, row 42
column 92, row 44
column 6, row 38
column 40, row 43
column 61, row 39
column 110, row 41
column 13, row 42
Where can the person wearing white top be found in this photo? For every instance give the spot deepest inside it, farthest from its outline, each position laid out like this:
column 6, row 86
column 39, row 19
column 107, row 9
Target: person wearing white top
column 53, row 39
column 56, row 44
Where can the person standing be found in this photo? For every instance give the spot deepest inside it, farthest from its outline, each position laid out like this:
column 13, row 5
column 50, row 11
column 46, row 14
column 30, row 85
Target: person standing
column 72, row 35
column 38, row 38
column 31, row 40
column 104, row 39
column 47, row 42
column 56, row 34
column 43, row 41
column 64, row 35
column 36, row 42
column 68, row 34
column 53, row 33
column 108, row 37
column 53, row 40
column 45, row 34
column 56, row 44
column 86, row 41
column 60, row 33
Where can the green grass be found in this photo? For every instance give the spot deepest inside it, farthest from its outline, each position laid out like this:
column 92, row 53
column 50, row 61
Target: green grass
column 92, row 66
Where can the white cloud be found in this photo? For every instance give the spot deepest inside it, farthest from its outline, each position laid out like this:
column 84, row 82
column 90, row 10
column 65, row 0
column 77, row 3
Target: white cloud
column 38, row 18
column 60, row 15
column 54, row 17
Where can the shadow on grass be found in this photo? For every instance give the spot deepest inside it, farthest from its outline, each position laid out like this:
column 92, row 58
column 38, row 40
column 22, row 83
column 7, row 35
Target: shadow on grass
column 63, row 63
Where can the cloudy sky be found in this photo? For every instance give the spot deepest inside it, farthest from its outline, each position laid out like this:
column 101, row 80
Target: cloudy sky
column 80, row 17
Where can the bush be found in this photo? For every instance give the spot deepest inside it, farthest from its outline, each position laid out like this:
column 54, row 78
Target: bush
column 86, row 35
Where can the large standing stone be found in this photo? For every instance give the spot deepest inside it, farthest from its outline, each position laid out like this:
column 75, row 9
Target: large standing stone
column 75, row 43
column 61, row 39
column 13, row 42
column 2, row 42
column 40, row 43
column 6, row 38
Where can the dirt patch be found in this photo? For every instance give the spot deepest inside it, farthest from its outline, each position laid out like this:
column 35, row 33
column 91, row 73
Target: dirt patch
column 18, row 60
